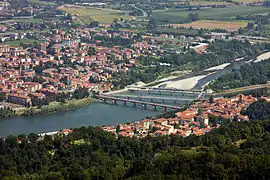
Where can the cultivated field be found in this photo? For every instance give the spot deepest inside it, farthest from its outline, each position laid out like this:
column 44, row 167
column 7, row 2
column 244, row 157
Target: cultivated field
column 38, row 2
column 86, row 15
column 177, row 15
column 213, row 2
column 248, row 1
column 211, row 24
column 203, row 3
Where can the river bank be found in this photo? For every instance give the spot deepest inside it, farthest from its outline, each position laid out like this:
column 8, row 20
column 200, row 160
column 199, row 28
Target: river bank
column 54, row 107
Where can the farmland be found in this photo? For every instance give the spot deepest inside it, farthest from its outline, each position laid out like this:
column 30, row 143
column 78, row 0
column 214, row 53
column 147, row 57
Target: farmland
column 86, row 15
column 38, row 2
column 18, row 42
column 211, row 24
column 177, row 15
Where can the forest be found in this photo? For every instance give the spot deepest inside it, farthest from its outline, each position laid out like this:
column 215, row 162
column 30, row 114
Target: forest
column 238, row 150
column 258, row 110
column 249, row 74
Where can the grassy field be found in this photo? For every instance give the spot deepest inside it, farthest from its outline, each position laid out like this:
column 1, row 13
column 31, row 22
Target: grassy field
column 202, row 3
column 212, row 24
column 18, row 42
column 29, row 20
column 212, row 2
column 86, row 15
column 38, row 2
column 81, row 141
column 177, row 15
column 176, row 31
column 247, row 1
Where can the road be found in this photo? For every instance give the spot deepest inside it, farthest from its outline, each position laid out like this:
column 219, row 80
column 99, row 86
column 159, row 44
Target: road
column 144, row 13
column 242, row 89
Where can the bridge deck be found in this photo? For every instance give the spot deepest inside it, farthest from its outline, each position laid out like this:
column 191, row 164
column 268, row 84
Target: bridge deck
column 164, row 90
column 151, row 97
column 139, row 102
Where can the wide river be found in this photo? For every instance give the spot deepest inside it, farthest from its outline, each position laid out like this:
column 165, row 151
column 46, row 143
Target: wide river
column 94, row 114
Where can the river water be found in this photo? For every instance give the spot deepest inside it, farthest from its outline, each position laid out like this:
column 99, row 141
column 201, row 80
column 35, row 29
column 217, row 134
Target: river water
column 94, row 115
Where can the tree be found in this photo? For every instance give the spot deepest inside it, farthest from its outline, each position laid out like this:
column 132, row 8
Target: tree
column 118, row 129
column 3, row 97
column 211, row 99
column 93, row 24
column 115, row 20
column 152, row 23
column 250, row 25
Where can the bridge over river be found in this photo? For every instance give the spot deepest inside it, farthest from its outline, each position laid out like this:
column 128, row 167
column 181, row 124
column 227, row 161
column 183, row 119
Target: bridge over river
column 165, row 91
column 145, row 104
column 156, row 99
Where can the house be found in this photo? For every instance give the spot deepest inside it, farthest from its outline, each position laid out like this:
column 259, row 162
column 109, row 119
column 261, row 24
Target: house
column 37, row 95
column 19, row 99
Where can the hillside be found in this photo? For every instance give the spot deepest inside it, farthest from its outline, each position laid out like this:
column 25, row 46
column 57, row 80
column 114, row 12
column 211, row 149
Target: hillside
column 234, row 151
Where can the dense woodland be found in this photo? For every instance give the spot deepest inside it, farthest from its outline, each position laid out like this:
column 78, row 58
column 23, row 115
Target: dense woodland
column 237, row 150
column 258, row 110
column 249, row 74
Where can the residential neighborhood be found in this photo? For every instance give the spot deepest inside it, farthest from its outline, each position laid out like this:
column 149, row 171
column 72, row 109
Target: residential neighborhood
column 198, row 119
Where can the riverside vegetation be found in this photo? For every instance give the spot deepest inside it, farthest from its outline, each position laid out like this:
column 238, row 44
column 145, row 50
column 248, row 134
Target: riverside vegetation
column 237, row 150
column 249, row 74
column 54, row 107
column 55, row 103
column 219, row 52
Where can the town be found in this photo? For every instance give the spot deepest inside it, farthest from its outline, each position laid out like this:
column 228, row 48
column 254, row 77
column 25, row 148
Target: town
column 78, row 58
column 198, row 119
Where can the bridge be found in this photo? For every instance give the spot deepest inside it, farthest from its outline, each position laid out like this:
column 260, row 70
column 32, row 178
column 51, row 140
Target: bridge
column 164, row 90
column 136, row 102
column 152, row 98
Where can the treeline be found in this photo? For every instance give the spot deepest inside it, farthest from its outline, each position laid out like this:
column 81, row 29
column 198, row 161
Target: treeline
column 249, row 74
column 6, row 112
column 258, row 110
column 239, row 150
column 56, row 107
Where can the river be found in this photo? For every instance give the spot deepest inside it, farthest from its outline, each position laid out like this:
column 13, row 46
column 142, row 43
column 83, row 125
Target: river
column 95, row 115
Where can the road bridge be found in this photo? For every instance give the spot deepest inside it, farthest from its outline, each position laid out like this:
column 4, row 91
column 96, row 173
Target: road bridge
column 136, row 102
column 164, row 90
column 153, row 98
